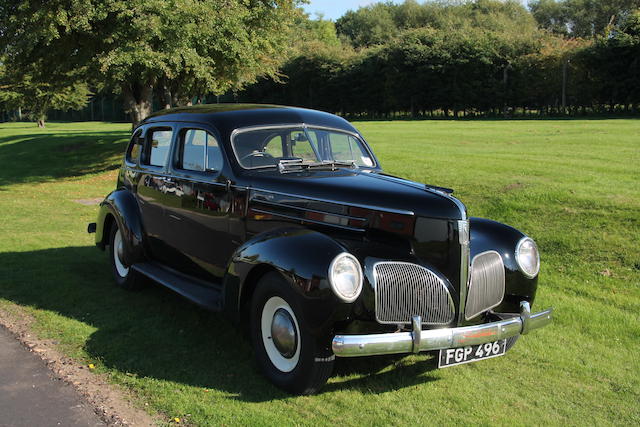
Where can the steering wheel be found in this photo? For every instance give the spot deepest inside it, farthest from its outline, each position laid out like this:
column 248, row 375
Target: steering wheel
column 258, row 154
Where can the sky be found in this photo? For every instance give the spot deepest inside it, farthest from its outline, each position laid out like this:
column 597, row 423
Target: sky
column 334, row 9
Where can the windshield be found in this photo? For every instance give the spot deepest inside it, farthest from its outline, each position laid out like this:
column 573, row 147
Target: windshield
column 266, row 148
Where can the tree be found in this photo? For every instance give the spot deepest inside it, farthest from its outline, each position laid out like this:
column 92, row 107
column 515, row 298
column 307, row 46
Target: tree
column 613, row 62
column 581, row 18
column 36, row 94
column 188, row 47
column 369, row 25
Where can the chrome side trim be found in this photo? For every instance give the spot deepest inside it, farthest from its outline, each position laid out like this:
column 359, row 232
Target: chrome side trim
column 438, row 339
column 303, row 209
column 302, row 220
column 464, row 240
column 256, row 191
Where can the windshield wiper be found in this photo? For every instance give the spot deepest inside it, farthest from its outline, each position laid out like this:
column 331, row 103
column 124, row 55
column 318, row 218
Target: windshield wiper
column 297, row 165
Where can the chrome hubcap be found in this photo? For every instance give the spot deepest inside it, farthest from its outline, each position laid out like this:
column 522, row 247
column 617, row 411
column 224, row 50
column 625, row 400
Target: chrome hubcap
column 283, row 333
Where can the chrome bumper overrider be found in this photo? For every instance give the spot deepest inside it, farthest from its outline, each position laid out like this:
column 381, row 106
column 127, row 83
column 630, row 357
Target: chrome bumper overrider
column 437, row 339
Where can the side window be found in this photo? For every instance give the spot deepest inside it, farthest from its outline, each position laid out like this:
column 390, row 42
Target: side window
column 158, row 143
column 199, row 151
column 192, row 147
column 134, row 147
column 345, row 147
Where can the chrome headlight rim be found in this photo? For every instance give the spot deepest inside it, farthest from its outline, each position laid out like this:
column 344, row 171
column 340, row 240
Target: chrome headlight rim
column 358, row 287
column 518, row 253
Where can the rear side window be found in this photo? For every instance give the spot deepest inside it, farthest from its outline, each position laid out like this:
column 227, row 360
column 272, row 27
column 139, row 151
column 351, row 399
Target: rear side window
column 199, row 151
column 135, row 147
column 159, row 143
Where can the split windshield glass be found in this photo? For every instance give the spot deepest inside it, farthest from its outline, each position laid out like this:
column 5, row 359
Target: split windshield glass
column 296, row 148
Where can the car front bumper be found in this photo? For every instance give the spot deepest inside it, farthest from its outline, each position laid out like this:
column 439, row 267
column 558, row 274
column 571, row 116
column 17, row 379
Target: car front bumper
column 438, row 339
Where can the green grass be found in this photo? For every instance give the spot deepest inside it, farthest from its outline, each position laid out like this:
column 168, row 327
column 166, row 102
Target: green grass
column 572, row 185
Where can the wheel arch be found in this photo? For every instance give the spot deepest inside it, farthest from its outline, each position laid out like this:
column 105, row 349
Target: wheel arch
column 301, row 256
column 121, row 208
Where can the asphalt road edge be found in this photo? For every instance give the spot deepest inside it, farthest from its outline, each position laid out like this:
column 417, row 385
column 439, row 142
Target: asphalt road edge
column 111, row 403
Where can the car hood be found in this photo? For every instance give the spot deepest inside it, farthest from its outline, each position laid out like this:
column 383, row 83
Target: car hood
column 359, row 189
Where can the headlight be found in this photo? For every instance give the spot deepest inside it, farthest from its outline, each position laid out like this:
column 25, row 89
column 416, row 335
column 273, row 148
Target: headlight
column 527, row 257
column 345, row 277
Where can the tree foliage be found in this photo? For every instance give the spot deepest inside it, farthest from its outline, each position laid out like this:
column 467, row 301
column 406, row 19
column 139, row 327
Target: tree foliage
column 480, row 57
column 183, row 47
column 581, row 18
column 27, row 89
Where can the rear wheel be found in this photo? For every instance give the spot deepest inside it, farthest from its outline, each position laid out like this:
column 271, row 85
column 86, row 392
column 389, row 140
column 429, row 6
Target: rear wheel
column 124, row 276
column 286, row 352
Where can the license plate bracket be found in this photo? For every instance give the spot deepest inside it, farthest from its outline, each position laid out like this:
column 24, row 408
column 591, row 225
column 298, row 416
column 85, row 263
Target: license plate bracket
column 472, row 353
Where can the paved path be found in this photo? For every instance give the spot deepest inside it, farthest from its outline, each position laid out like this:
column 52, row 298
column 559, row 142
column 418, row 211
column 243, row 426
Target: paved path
column 30, row 396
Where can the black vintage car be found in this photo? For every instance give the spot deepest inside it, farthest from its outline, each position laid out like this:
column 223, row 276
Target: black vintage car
column 283, row 219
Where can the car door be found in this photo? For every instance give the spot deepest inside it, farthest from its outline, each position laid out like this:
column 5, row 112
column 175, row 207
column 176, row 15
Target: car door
column 154, row 189
column 198, row 214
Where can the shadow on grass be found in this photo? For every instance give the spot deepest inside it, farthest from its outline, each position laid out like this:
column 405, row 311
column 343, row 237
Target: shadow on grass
column 156, row 334
column 46, row 156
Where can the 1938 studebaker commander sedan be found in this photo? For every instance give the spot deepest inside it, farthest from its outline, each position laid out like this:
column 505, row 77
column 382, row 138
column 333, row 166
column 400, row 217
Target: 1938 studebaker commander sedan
column 283, row 219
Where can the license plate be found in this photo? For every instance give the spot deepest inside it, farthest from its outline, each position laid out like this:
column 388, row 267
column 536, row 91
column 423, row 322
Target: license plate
column 471, row 353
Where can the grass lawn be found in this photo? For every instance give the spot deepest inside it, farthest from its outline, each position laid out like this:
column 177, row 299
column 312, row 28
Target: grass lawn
column 572, row 185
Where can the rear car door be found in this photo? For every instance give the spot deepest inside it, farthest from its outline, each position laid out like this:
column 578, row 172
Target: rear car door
column 198, row 214
column 154, row 188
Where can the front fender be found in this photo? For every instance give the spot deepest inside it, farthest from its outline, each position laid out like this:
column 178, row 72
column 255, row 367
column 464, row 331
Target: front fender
column 492, row 235
column 123, row 206
column 303, row 257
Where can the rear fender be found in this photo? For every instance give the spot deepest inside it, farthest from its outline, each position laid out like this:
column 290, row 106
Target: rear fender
column 123, row 206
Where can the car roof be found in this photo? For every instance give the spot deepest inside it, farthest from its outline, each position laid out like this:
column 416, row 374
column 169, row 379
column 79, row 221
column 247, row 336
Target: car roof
column 227, row 117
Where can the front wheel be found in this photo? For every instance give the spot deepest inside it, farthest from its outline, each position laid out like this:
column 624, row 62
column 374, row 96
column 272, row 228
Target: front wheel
column 124, row 276
column 286, row 352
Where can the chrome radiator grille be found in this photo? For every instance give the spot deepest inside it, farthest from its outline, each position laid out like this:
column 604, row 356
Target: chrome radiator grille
column 404, row 290
column 486, row 287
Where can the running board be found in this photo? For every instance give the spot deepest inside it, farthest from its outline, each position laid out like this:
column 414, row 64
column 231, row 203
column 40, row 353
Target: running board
column 205, row 294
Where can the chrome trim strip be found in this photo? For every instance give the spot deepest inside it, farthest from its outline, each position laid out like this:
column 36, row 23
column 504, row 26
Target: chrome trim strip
column 460, row 205
column 298, row 219
column 300, row 208
column 438, row 339
column 334, row 202
column 464, row 235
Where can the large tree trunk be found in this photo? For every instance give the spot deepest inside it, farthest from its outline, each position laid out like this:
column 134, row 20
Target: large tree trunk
column 138, row 101
column 166, row 95
column 40, row 122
